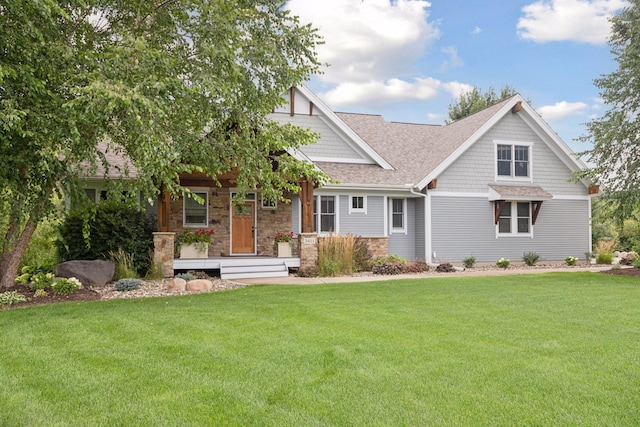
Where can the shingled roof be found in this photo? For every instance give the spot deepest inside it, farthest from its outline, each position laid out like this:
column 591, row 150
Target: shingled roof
column 414, row 150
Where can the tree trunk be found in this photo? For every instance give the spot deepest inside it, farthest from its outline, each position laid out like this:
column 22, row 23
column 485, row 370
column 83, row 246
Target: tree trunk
column 10, row 261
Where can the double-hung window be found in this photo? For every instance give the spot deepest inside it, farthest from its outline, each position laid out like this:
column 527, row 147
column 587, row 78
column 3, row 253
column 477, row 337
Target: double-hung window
column 513, row 161
column 195, row 213
column 514, row 218
column 324, row 215
column 398, row 219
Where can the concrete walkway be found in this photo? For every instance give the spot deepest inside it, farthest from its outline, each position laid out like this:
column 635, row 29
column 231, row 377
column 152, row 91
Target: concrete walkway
column 295, row 280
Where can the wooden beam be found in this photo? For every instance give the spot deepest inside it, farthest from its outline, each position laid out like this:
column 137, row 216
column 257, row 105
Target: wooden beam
column 535, row 210
column 433, row 184
column 516, row 108
column 292, row 101
column 594, row 189
column 306, row 201
column 310, row 108
column 497, row 207
column 164, row 211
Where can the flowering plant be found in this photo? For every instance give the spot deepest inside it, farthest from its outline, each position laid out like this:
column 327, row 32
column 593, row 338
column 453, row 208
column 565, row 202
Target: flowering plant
column 281, row 236
column 503, row 263
column 190, row 237
column 571, row 260
column 66, row 286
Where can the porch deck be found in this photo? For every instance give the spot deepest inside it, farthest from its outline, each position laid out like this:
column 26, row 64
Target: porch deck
column 240, row 267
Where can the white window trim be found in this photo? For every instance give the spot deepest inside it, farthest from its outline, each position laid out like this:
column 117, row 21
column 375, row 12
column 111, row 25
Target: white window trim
column 397, row 230
column 184, row 207
column 497, row 142
column 336, row 204
column 514, row 222
column 358, row 210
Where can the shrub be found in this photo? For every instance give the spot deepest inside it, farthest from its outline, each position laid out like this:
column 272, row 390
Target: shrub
column 198, row 274
column 445, row 267
column 11, row 297
column 628, row 258
column 604, row 252
column 41, row 251
column 128, row 284
column 66, row 287
column 336, row 254
column 123, row 264
column 636, row 262
column 389, row 265
column 155, row 271
column 93, row 231
column 42, row 281
column 469, row 261
column 503, row 263
column 40, row 293
column 362, row 257
column 530, row 258
column 571, row 260
column 416, row 267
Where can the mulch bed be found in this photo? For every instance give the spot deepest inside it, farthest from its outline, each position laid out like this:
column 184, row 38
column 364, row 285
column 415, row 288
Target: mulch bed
column 633, row 272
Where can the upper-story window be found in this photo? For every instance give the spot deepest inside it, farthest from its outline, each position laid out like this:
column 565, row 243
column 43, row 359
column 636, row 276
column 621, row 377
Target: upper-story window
column 513, row 161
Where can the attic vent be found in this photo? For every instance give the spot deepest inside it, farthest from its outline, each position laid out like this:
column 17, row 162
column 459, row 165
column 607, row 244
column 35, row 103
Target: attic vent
column 516, row 107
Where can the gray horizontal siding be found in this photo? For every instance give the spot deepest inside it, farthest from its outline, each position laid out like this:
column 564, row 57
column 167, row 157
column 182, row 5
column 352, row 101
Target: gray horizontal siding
column 464, row 226
column 362, row 224
column 475, row 168
column 402, row 244
column 330, row 144
column 295, row 214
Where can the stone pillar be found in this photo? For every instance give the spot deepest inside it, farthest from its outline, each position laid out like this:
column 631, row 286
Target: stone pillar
column 163, row 250
column 308, row 250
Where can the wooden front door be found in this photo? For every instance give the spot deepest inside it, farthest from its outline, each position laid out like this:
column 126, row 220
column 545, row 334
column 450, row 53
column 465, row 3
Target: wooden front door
column 243, row 227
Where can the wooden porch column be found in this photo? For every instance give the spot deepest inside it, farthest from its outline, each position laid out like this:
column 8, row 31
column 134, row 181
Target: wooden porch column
column 306, row 201
column 164, row 211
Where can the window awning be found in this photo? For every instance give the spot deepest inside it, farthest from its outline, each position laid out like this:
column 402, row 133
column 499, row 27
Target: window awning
column 526, row 193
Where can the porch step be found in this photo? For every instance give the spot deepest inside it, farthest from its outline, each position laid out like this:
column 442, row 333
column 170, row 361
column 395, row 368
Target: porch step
column 275, row 268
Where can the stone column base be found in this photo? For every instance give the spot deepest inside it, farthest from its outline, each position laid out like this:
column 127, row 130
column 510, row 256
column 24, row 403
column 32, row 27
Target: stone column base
column 163, row 250
column 308, row 250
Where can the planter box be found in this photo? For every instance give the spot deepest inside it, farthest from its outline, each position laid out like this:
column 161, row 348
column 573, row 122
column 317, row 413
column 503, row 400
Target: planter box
column 284, row 250
column 194, row 251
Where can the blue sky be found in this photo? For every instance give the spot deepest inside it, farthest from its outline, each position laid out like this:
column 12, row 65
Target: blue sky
column 409, row 59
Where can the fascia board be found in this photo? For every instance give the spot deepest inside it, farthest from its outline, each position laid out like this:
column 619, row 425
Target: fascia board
column 317, row 102
column 469, row 142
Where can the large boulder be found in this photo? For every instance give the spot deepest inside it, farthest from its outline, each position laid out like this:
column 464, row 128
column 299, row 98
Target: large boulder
column 90, row 273
column 199, row 285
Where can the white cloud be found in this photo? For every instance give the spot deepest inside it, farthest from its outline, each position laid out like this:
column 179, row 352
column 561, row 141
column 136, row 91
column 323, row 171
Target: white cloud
column 575, row 20
column 376, row 92
column 561, row 110
column 372, row 47
column 476, row 30
column 454, row 60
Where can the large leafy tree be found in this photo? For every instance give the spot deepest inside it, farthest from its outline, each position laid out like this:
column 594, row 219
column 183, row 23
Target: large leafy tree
column 476, row 100
column 615, row 157
column 174, row 85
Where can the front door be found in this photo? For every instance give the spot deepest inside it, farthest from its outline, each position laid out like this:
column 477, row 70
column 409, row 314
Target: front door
column 243, row 227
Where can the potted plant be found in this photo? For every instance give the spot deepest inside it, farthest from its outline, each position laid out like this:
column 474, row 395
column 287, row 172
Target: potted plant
column 194, row 243
column 283, row 243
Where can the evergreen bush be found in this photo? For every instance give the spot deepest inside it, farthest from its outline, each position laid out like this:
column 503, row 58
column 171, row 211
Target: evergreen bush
column 93, row 231
column 128, row 284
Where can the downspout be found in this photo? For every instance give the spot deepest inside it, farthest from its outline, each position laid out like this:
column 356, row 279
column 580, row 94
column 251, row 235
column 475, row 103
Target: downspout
column 427, row 226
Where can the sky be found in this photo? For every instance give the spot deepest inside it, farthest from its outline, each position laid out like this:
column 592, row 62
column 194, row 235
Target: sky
column 408, row 60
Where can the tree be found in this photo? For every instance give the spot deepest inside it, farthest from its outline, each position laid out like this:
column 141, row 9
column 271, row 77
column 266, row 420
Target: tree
column 175, row 86
column 615, row 157
column 474, row 101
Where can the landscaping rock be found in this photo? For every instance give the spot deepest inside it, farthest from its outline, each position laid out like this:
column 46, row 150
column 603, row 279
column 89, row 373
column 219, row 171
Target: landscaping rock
column 90, row 273
column 177, row 285
column 199, row 285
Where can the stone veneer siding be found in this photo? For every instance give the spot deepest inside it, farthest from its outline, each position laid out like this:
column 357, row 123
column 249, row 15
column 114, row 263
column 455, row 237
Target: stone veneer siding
column 163, row 251
column 268, row 222
column 378, row 246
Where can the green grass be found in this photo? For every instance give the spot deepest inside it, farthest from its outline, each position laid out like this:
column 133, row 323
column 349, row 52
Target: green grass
column 550, row 349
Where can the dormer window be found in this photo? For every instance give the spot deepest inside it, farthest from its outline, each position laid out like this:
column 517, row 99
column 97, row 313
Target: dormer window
column 513, row 161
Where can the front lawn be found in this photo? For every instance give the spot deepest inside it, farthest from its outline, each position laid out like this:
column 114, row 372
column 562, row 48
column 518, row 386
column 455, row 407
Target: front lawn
column 548, row 349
